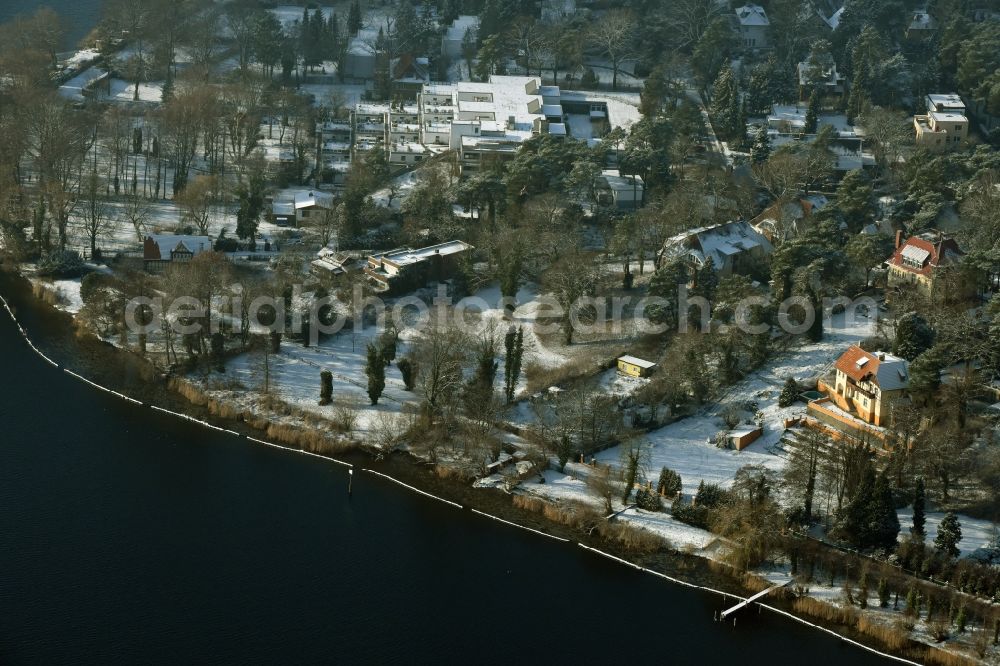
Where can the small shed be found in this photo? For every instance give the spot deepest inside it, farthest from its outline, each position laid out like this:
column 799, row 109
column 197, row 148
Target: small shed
column 744, row 436
column 634, row 366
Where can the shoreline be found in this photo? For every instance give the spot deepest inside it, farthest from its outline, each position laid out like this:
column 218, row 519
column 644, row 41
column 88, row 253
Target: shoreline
column 401, row 468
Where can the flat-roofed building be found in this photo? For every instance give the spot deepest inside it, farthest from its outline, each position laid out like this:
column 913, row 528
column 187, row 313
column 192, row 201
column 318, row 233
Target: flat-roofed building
column 944, row 126
column 405, row 269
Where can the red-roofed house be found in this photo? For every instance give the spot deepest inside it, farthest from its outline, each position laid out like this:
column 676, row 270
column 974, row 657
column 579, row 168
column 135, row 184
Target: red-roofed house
column 867, row 383
column 917, row 260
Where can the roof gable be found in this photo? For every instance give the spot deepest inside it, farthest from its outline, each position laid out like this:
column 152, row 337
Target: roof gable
column 928, row 254
column 888, row 372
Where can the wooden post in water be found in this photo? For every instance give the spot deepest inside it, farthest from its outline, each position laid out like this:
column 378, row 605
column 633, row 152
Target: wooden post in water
column 350, row 482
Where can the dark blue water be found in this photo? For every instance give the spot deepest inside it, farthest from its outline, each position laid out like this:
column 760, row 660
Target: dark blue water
column 127, row 536
column 79, row 15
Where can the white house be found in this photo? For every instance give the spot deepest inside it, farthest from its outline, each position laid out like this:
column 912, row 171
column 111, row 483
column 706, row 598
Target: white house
column 753, row 26
column 618, row 191
column 296, row 209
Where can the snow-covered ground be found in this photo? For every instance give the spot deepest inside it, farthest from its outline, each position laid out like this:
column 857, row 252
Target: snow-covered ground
column 403, row 183
column 686, row 445
column 293, row 376
column 124, row 91
column 571, row 488
column 67, row 293
column 976, row 533
column 615, row 383
column 526, row 315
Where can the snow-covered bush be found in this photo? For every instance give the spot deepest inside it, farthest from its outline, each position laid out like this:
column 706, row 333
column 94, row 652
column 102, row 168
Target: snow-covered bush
column 63, row 264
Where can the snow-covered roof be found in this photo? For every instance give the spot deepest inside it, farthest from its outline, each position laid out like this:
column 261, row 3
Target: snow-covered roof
column 407, row 256
column 945, row 102
column 834, row 20
column 717, row 243
column 310, row 199
column 916, row 254
column 618, row 182
column 167, row 243
column 752, row 15
column 636, row 361
column 948, row 117
column 922, row 21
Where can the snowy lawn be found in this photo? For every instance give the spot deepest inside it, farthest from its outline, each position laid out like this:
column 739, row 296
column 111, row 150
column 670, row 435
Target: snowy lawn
column 976, row 533
column 686, row 445
column 294, row 376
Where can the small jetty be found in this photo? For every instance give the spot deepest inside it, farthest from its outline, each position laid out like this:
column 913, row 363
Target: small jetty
column 749, row 600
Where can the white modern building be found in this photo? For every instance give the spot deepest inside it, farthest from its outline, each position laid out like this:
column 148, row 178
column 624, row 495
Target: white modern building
column 489, row 120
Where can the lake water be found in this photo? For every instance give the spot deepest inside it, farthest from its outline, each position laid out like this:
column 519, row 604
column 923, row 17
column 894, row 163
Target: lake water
column 126, row 535
column 79, row 15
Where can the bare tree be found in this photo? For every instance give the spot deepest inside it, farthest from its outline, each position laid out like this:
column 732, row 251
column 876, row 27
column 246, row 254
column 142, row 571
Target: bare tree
column 687, row 20
column 614, row 36
column 196, row 202
column 60, row 139
column 635, row 460
column 604, row 483
column 97, row 222
column 185, row 115
column 327, row 223
column 442, row 351
column 887, row 132
column 137, row 212
column 570, row 280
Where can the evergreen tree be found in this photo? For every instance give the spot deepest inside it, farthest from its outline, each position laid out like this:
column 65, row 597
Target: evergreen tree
column 914, row 336
column 387, row 343
column 491, row 19
column 883, row 593
column 511, row 377
column 712, row 51
column 725, row 107
column 855, row 201
column 855, row 523
column 669, row 483
column 508, row 363
column 919, row 518
column 760, row 97
column 925, row 375
column 354, row 18
column 912, row 601
column 408, row 368
column 812, row 114
column 326, row 387
column 375, row 370
column 883, row 521
column 760, row 149
column 960, row 620
column 948, row 535
column 789, row 393
column 863, row 591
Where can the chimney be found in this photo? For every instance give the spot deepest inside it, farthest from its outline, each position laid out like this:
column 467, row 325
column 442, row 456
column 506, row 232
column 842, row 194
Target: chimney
column 899, row 238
